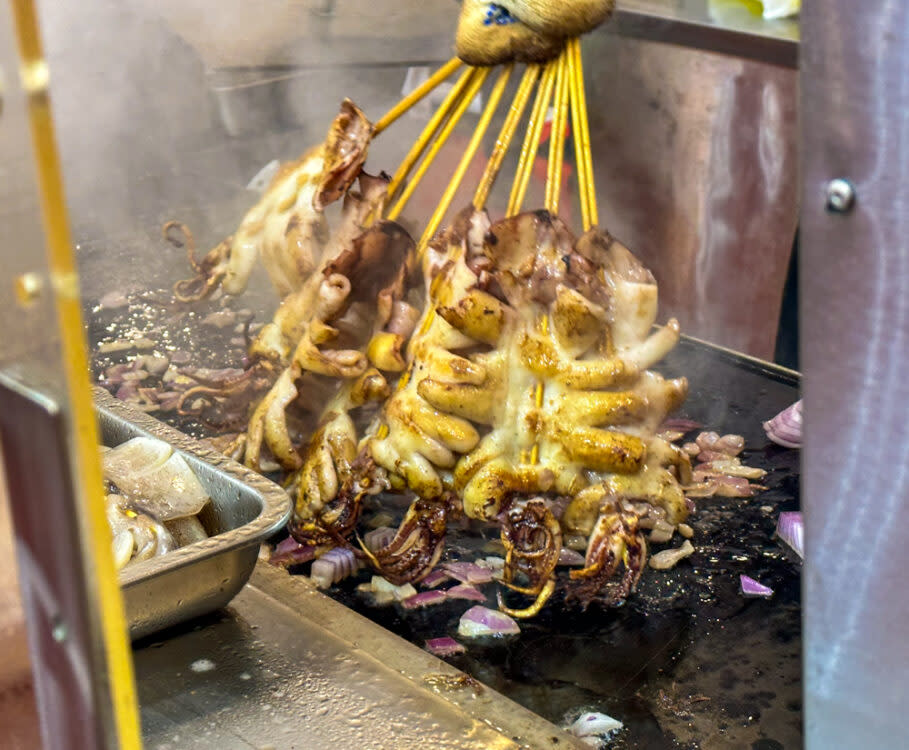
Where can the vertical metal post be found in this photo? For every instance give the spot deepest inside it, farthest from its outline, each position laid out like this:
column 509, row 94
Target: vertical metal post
column 77, row 631
column 855, row 355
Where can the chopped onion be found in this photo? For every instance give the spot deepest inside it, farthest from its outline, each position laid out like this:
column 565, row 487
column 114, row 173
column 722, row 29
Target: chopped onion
column 291, row 552
column 662, row 531
column 493, row 563
column 424, row 599
column 444, row 646
column 786, row 427
column 467, row 572
column 669, row 558
column 435, row 578
column 335, row 565
column 730, row 466
column 790, row 531
column 707, row 441
column 670, row 436
column 570, row 557
column 378, row 538
column 480, row 621
column 731, row 445
column 380, row 585
column 751, row 587
column 692, row 449
column 593, row 725
column 465, row 591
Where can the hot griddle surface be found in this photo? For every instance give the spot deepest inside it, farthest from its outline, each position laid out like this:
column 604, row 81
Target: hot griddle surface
column 687, row 661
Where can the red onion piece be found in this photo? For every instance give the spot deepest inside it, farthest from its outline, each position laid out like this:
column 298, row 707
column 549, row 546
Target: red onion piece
column 751, row 587
column 570, row 557
column 467, row 572
column 707, row 441
column 786, row 427
column 724, row 486
column 435, row 578
column 481, row 621
column 335, row 565
column 291, row 552
column 378, row 538
column 731, row 445
column 680, row 424
column 790, row 530
column 465, row 591
column 444, row 647
column 424, row 599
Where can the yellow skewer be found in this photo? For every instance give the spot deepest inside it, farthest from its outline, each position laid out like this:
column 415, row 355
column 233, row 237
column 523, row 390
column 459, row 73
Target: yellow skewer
column 495, row 97
column 417, row 94
column 583, row 135
column 577, row 131
column 557, row 136
column 419, row 146
column 505, row 137
column 479, row 77
column 531, row 140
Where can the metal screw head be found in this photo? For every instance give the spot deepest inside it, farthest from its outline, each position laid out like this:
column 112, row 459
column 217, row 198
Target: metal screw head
column 59, row 631
column 840, row 196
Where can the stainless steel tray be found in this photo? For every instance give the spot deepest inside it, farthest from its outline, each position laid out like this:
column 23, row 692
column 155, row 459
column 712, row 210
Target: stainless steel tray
column 245, row 509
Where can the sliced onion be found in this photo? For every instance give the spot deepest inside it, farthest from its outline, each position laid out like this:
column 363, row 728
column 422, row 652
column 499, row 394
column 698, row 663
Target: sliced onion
column 444, row 646
column 378, row 538
column 707, row 441
column 465, row 591
column 435, row 578
column 786, row 427
column 380, row 585
column 732, row 467
column 751, row 587
column 570, row 557
column 424, row 599
column 731, row 445
column 481, row 621
column 335, row 565
column 790, row 530
column 692, row 449
column 291, row 552
column 493, row 563
column 467, row 572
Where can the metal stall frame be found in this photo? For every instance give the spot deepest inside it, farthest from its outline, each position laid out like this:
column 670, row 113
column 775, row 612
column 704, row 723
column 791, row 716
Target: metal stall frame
column 855, row 349
column 855, row 282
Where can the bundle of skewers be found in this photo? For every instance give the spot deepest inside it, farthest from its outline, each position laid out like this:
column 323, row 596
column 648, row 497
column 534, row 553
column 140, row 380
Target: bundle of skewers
column 493, row 369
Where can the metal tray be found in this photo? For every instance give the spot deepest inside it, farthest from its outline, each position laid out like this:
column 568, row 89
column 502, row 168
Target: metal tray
column 245, row 509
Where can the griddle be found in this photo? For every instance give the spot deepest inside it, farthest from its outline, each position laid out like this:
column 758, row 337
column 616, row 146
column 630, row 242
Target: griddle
column 687, row 661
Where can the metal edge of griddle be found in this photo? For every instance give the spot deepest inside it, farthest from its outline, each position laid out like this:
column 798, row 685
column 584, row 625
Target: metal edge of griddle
column 518, row 724
column 209, row 591
column 755, row 364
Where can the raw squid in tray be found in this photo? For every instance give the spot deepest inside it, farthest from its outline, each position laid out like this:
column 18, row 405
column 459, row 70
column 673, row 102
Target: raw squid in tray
column 153, row 502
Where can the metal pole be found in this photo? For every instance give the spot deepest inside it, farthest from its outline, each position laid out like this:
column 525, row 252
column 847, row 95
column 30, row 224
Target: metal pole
column 855, row 352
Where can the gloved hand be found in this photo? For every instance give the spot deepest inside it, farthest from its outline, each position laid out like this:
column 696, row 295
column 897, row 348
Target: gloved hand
column 523, row 30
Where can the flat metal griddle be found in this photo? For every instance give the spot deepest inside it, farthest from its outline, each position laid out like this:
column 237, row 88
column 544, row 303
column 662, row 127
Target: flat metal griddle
column 687, row 662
